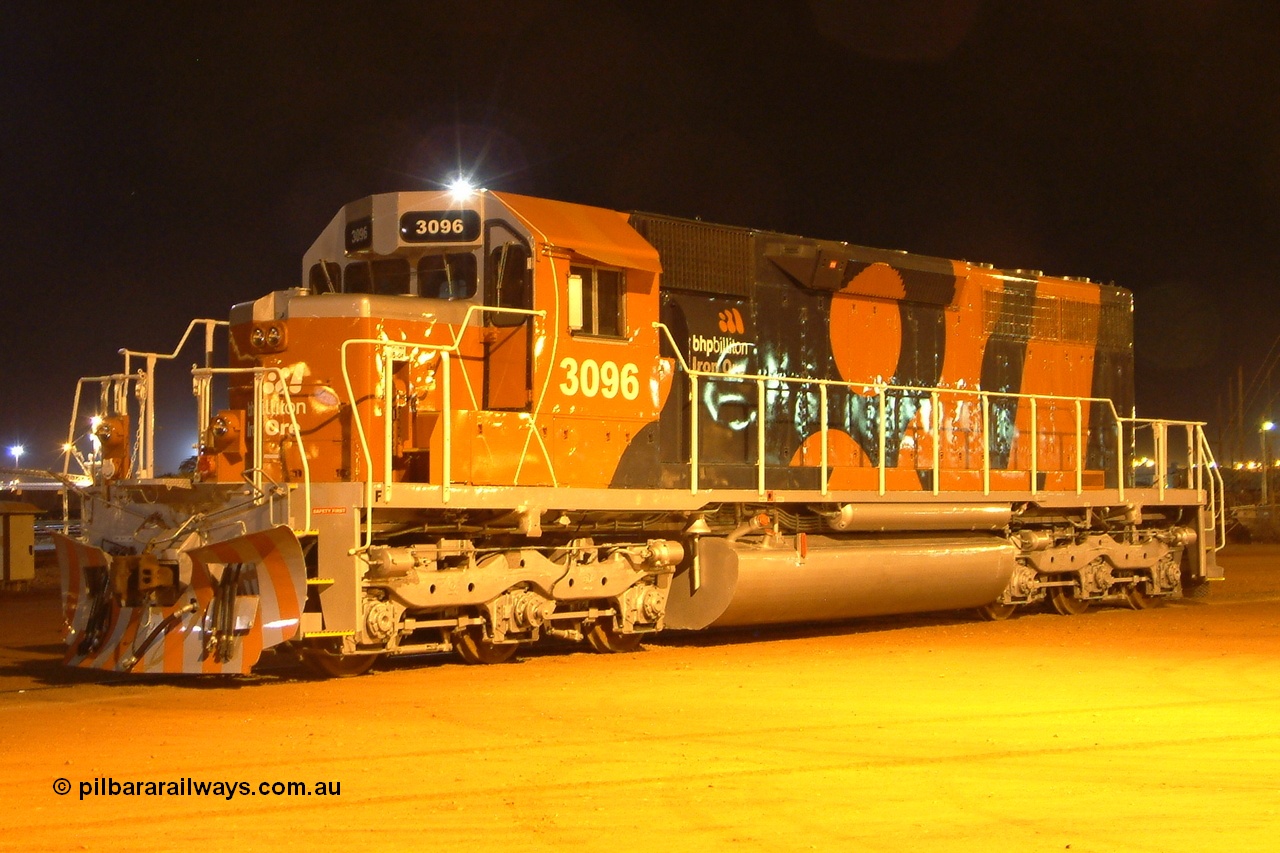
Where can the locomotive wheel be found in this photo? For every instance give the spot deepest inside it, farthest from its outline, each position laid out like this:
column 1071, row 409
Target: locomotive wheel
column 996, row 612
column 329, row 665
column 1137, row 597
column 1064, row 601
column 603, row 638
column 474, row 648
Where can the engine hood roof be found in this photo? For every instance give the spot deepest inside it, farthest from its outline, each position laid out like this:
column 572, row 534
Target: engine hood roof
column 593, row 232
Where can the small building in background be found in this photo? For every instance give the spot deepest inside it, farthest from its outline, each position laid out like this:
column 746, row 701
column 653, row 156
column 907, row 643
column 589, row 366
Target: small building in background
column 17, row 542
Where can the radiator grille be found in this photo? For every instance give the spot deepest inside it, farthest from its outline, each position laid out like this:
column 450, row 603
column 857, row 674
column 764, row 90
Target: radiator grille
column 698, row 256
column 1019, row 316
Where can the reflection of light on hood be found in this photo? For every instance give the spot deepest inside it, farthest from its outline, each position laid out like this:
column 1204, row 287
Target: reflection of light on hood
column 324, row 399
column 281, row 623
column 715, row 400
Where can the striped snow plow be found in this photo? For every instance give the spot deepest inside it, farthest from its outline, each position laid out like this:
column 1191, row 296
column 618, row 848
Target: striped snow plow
column 211, row 613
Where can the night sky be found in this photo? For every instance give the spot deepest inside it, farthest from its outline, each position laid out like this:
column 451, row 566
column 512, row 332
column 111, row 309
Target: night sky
column 162, row 161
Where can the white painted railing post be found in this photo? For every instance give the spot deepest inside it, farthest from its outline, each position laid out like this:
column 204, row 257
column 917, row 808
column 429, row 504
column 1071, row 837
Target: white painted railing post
column 822, row 397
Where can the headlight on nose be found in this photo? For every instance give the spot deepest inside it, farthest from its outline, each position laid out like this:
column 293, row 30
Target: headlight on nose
column 268, row 337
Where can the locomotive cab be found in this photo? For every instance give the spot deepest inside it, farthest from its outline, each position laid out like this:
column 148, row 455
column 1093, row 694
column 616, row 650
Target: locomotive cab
column 516, row 308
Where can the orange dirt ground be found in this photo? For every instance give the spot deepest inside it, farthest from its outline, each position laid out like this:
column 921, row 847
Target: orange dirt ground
column 1115, row 730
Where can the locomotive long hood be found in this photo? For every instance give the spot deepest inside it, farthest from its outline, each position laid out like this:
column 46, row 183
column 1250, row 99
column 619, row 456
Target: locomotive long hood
column 243, row 595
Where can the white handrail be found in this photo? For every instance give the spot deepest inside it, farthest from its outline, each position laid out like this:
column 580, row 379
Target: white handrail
column 143, row 455
column 147, row 404
column 203, row 376
column 388, row 401
column 882, row 391
column 113, row 380
column 1216, row 491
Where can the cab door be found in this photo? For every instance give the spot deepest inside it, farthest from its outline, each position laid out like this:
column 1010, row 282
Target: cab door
column 508, row 338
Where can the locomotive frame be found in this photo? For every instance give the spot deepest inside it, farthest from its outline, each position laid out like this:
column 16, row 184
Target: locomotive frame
column 491, row 420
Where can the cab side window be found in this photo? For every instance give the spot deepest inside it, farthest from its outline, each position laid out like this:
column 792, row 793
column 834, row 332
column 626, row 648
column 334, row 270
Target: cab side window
column 603, row 301
column 325, row 277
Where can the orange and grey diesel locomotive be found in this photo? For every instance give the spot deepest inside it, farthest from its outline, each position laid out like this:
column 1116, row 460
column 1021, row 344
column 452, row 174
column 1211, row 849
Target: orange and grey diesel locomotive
column 482, row 421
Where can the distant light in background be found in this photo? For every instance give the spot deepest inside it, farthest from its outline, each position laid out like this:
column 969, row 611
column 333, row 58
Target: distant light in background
column 16, row 451
column 1267, row 426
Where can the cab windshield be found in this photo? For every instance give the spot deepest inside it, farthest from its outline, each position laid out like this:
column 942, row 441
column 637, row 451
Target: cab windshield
column 451, row 275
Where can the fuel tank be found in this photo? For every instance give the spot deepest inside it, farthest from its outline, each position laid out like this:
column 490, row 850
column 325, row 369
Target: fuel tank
column 825, row 578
